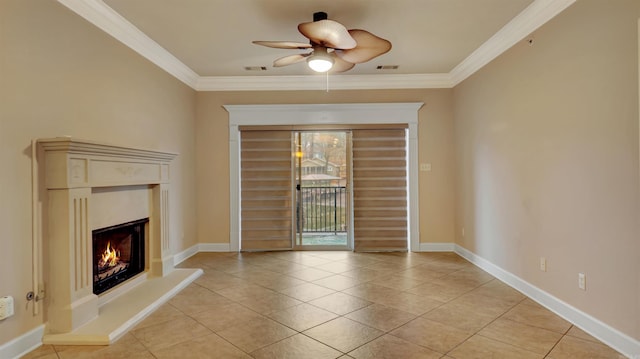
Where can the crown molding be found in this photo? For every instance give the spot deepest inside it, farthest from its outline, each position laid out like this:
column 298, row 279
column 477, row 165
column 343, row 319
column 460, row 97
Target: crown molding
column 108, row 20
column 322, row 82
column 111, row 22
column 530, row 19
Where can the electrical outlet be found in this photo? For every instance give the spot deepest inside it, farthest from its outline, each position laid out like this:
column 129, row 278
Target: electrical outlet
column 543, row 264
column 6, row 307
column 425, row 167
column 582, row 281
column 463, row 231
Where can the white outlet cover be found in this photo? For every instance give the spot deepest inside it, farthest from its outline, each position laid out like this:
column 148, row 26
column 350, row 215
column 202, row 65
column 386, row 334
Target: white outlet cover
column 6, row 307
column 582, row 281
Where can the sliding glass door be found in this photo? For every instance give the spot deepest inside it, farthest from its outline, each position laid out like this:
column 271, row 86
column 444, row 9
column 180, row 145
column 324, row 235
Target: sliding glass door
column 324, row 189
column 322, row 168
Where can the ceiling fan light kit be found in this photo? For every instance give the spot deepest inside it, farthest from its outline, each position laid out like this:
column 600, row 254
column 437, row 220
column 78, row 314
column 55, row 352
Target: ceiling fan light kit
column 320, row 61
column 333, row 46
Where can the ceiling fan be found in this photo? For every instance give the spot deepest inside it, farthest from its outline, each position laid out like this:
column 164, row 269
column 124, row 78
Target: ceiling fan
column 333, row 46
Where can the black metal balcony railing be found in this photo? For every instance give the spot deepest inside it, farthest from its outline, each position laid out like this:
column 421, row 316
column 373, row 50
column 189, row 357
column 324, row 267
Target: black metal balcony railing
column 322, row 209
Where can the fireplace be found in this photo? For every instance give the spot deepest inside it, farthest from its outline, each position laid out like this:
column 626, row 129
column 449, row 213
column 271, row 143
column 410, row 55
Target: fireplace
column 118, row 254
column 86, row 186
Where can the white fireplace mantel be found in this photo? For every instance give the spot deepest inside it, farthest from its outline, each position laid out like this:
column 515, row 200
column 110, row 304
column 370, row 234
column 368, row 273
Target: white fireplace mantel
column 72, row 170
column 73, row 163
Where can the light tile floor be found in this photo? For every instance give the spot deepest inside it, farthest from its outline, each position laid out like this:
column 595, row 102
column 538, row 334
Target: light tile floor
column 344, row 305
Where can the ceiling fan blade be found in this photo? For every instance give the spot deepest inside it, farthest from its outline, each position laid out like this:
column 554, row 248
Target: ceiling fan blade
column 328, row 33
column 283, row 44
column 340, row 65
column 289, row 60
column 369, row 46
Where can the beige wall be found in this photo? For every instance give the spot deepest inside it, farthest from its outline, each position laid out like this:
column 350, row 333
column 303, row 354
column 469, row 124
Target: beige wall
column 435, row 143
column 59, row 75
column 546, row 139
column 547, row 160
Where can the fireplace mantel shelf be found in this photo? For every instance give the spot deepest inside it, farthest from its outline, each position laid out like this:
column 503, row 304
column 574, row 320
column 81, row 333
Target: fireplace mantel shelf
column 80, row 146
column 75, row 163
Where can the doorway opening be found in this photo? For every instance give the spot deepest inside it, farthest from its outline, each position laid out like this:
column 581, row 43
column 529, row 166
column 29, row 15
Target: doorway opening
column 245, row 118
column 322, row 177
column 324, row 189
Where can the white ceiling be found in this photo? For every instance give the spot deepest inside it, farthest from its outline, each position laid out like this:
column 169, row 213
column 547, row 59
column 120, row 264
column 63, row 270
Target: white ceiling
column 207, row 43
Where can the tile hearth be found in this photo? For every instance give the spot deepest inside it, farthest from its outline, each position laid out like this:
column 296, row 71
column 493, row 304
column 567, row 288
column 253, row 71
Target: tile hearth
column 122, row 313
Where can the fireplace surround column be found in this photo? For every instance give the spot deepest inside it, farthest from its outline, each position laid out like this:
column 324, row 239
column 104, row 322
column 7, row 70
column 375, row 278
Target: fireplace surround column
column 72, row 168
column 161, row 262
column 70, row 254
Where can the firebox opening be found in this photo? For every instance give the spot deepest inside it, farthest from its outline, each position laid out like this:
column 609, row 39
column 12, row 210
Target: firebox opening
column 118, row 254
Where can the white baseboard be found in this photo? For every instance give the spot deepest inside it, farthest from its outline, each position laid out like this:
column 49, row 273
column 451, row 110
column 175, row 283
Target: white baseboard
column 200, row 247
column 182, row 256
column 437, row 247
column 214, row 247
column 22, row 344
column 612, row 337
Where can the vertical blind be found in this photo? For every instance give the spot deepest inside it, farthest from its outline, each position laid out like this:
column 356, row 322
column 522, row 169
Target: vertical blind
column 380, row 190
column 266, row 190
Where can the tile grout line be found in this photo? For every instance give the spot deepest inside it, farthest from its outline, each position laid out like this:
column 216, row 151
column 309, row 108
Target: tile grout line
column 559, row 340
column 486, row 325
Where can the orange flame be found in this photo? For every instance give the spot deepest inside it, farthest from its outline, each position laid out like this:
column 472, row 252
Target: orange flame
column 110, row 257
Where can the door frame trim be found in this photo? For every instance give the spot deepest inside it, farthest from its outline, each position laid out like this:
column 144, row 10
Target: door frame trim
column 323, row 114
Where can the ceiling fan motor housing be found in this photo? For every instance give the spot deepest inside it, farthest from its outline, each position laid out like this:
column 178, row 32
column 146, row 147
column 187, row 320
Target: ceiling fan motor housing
column 320, row 15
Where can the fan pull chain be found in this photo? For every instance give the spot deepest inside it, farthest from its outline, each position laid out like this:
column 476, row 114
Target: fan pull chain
column 327, row 81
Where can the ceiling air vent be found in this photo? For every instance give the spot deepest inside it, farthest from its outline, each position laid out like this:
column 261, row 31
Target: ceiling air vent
column 255, row 68
column 387, row 67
